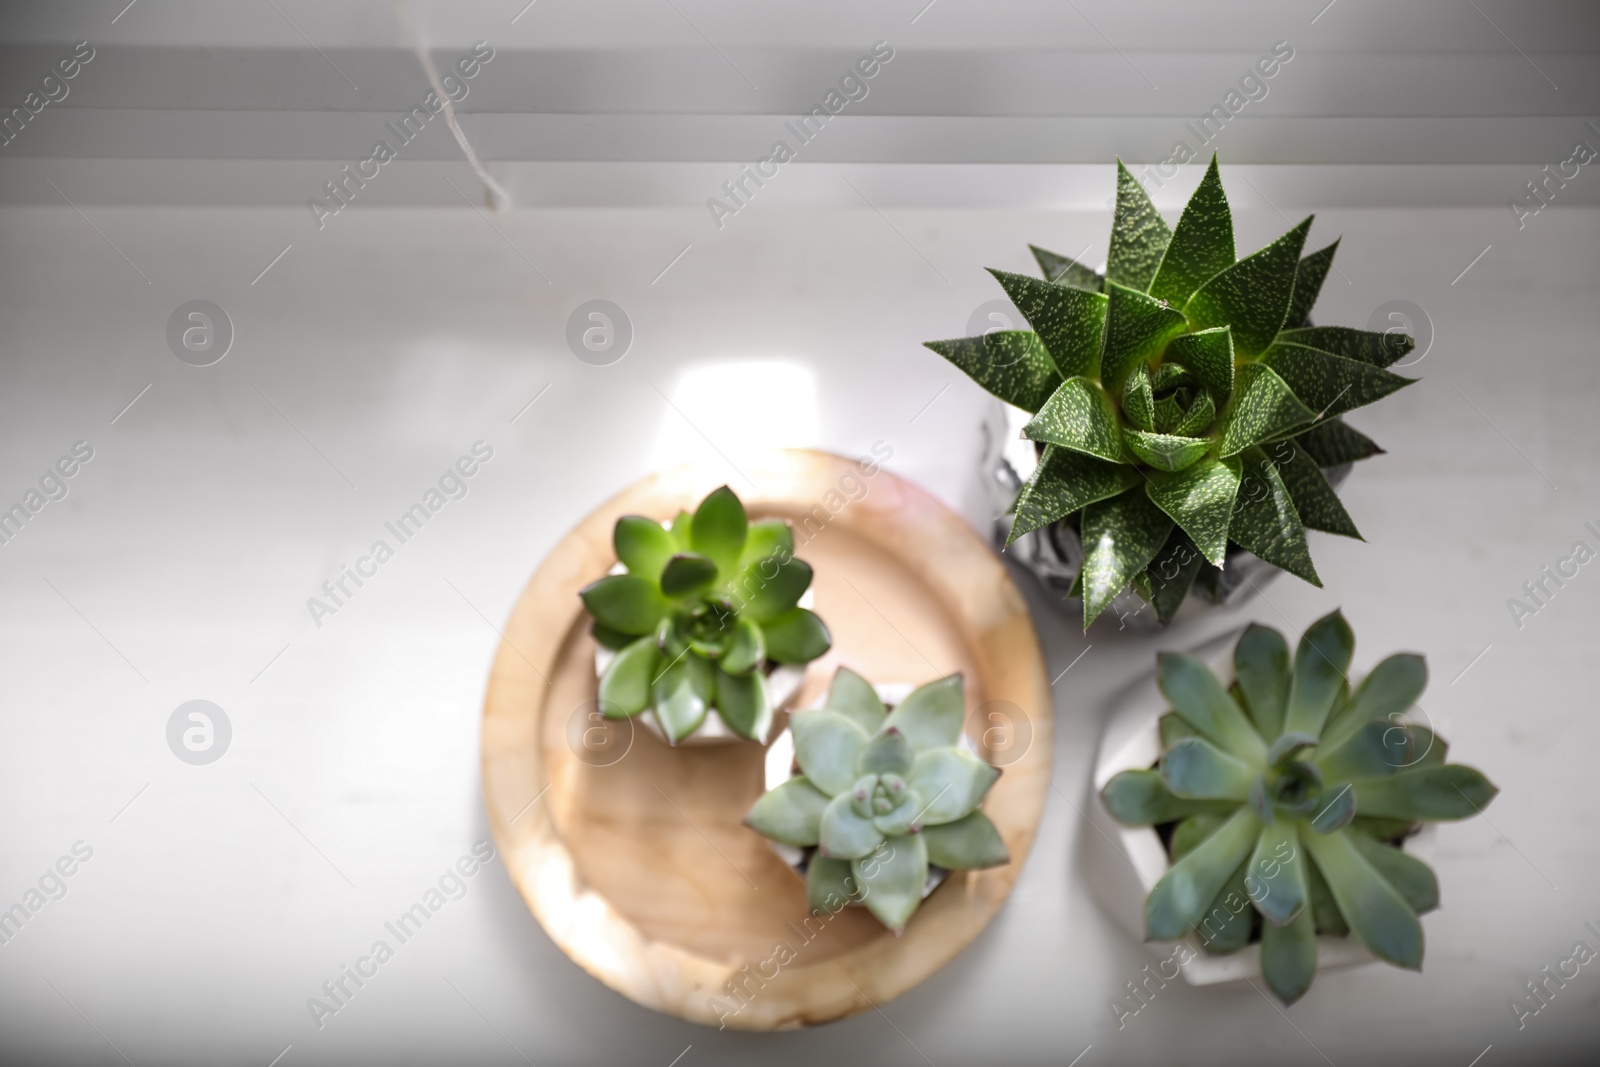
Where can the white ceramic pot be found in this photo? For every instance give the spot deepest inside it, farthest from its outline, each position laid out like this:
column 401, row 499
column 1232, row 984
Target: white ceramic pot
column 1123, row 863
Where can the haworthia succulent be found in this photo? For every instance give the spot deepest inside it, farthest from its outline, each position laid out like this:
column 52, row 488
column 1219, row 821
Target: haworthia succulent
column 1178, row 357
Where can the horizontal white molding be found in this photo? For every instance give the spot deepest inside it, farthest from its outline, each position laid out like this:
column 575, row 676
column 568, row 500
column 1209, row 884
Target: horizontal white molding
column 1027, row 81
column 91, row 133
column 1178, row 25
column 1291, row 189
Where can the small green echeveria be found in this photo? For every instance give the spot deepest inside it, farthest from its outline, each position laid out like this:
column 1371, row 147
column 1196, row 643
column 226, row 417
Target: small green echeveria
column 701, row 608
column 882, row 795
column 1288, row 796
column 1183, row 401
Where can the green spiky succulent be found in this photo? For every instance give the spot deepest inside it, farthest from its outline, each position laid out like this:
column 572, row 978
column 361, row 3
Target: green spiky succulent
column 701, row 610
column 1183, row 402
column 881, row 796
column 1291, row 793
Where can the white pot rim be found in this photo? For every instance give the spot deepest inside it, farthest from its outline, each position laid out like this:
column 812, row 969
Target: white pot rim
column 1128, row 861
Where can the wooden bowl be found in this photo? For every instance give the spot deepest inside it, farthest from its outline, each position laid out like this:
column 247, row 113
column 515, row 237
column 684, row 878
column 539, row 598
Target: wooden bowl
column 633, row 855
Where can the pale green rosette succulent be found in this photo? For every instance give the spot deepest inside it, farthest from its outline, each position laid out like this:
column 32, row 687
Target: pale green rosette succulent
column 881, row 796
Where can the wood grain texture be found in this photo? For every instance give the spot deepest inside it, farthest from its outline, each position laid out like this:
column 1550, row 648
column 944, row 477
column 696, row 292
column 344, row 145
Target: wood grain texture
column 632, row 854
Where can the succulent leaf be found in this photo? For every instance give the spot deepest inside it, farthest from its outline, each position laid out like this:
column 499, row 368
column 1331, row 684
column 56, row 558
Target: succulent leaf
column 1141, row 798
column 680, row 531
column 773, row 587
column 1138, row 327
column 930, row 716
column 1337, row 813
column 1323, row 907
column 1321, row 665
column 1264, row 409
column 1314, row 500
column 845, row 834
column 1261, row 664
column 1375, row 750
column 605, row 636
column 952, row 783
column 1194, row 829
column 1308, row 278
column 1414, row 879
column 1121, row 536
column 768, row 538
column 1068, row 321
column 1200, row 500
column 827, row 746
column 687, row 573
column 1374, row 909
column 719, row 528
column 1209, row 355
column 1265, row 521
column 643, row 545
column 1165, row 452
column 625, row 685
column 1080, row 416
column 746, row 649
column 1197, row 696
column 1384, row 694
column 1138, row 399
column 1169, row 577
column 969, row 843
column 1227, row 923
column 1201, row 414
column 1011, row 364
column 1195, row 769
column 886, row 753
column 1452, row 791
column 1066, row 270
column 1202, row 244
column 1064, row 482
column 791, row 813
column 1278, row 874
column 1333, row 442
column 1363, row 346
column 681, row 696
column 1180, row 899
column 1330, row 384
column 798, row 636
column 830, row 884
column 1289, row 956
column 742, row 702
column 626, row 603
column 852, row 696
column 1139, row 235
column 1252, row 296
column 892, row 881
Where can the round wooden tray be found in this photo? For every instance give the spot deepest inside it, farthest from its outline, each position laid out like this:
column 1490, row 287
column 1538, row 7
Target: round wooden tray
column 632, row 854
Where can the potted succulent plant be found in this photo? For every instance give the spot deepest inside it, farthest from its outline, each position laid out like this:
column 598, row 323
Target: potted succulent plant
column 701, row 623
column 881, row 802
column 1284, row 804
column 1184, row 409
